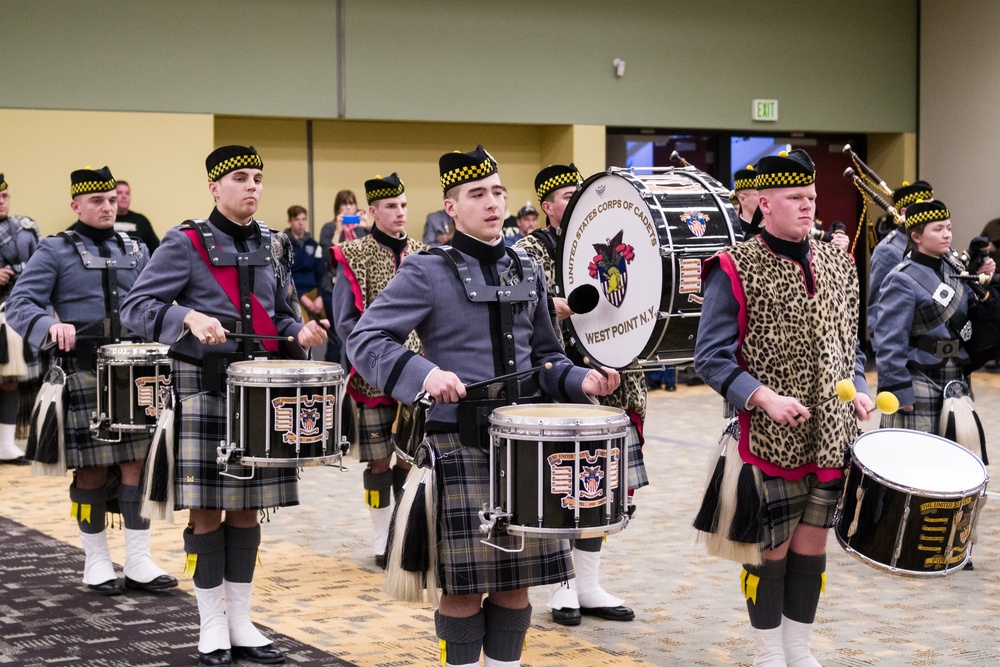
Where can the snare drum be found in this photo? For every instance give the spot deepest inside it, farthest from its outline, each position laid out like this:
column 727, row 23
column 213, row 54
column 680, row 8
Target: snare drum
column 283, row 413
column 559, row 471
column 640, row 239
column 910, row 503
column 133, row 385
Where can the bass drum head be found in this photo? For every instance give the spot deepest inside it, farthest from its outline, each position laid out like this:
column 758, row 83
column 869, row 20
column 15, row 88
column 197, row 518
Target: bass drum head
column 921, row 462
column 640, row 240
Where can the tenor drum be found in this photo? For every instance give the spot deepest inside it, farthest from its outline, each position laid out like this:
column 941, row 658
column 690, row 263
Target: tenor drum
column 559, row 470
column 133, row 385
column 640, row 239
column 910, row 503
column 284, row 413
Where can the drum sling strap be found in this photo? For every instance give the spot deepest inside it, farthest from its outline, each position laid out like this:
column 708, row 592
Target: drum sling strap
column 949, row 313
column 233, row 271
column 112, row 297
column 474, row 413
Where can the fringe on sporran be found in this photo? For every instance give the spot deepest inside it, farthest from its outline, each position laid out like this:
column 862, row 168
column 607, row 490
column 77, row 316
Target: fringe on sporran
column 157, row 480
column 46, row 448
column 959, row 421
column 412, row 568
column 730, row 520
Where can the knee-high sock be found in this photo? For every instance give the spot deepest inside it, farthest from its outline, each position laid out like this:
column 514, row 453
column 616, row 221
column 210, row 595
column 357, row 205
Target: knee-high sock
column 206, row 557
column 764, row 590
column 8, row 406
column 89, row 507
column 505, row 632
column 461, row 638
column 241, row 553
column 130, row 500
column 591, row 544
column 378, row 488
column 803, row 583
column 398, row 480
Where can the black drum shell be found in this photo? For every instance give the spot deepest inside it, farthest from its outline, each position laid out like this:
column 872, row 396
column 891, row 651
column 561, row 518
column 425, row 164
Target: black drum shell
column 255, row 425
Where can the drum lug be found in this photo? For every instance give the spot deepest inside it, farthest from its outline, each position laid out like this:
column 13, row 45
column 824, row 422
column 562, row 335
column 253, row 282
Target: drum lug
column 493, row 523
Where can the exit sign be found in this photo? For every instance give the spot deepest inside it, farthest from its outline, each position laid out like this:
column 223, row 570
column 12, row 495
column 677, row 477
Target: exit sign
column 765, row 110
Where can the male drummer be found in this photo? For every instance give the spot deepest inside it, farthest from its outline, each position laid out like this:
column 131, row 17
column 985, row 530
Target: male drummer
column 890, row 250
column 364, row 267
column 18, row 240
column 746, row 201
column 83, row 273
column 211, row 278
column 555, row 186
column 800, row 296
column 472, row 330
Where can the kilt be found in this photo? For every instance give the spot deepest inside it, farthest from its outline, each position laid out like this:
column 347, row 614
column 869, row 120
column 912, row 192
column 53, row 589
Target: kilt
column 80, row 403
column 928, row 390
column 374, row 431
column 466, row 566
column 200, row 427
column 788, row 503
column 637, row 477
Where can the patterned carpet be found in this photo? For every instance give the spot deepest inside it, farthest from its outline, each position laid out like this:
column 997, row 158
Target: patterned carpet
column 48, row 618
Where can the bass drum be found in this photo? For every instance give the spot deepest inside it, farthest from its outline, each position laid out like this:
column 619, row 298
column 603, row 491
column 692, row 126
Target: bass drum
column 640, row 240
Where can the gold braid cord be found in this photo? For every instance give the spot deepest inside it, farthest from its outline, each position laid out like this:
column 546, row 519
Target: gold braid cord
column 864, row 221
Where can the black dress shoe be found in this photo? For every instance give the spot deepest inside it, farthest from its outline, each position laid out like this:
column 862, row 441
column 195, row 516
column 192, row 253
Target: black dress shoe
column 19, row 461
column 161, row 583
column 381, row 560
column 568, row 616
column 109, row 587
column 220, row 656
column 262, row 655
column 969, row 565
column 619, row 613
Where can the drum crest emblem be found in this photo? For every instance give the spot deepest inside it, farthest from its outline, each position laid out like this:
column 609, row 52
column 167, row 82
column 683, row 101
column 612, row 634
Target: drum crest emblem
column 610, row 265
column 310, row 418
column 696, row 221
column 590, row 482
column 152, row 393
column 590, row 488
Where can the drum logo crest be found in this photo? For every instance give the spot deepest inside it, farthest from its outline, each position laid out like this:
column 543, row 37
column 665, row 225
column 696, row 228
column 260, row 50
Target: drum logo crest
column 593, row 490
column 309, row 417
column 610, row 265
column 696, row 221
column 152, row 393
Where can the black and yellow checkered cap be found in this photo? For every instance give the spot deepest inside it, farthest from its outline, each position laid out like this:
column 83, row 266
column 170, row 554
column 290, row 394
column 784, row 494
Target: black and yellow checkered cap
column 3, row 183
column 785, row 170
column 744, row 179
column 225, row 159
column 457, row 168
column 922, row 212
column 383, row 188
column 87, row 180
column 556, row 176
column 909, row 193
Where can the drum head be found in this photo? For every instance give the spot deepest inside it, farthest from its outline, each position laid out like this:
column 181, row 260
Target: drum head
column 919, row 461
column 285, row 371
column 639, row 240
column 140, row 353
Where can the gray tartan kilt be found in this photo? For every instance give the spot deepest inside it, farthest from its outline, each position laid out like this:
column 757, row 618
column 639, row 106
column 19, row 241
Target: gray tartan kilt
column 374, row 430
column 787, row 504
column 200, row 426
column 80, row 403
column 34, row 370
column 928, row 389
column 467, row 566
column 637, row 477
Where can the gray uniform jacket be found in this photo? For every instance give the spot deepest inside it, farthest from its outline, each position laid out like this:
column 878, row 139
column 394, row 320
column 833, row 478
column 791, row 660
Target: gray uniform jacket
column 906, row 306
column 55, row 276
column 18, row 241
column 438, row 222
column 887, row 254
column 456, row 333
column 178, row 274
column 718, row 338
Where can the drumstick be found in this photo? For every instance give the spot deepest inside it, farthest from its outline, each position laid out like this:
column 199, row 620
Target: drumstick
column 596, row 366
column 287, row 339
column 845, row 392
column 509, row 376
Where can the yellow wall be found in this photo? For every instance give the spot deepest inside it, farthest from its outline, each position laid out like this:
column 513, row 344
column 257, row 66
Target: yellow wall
column 161, row 155
column 893, row 157
column 346, row 153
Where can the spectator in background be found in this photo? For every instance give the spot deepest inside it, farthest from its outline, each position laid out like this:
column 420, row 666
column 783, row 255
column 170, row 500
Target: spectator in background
column 131, row 222
column 992, row 232
column 308, row 264
column 527, row 222
column 338, row 230
column 438, row 228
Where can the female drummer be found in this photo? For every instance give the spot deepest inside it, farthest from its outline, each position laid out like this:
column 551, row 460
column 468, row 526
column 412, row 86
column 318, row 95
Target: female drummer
column 923, row 326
